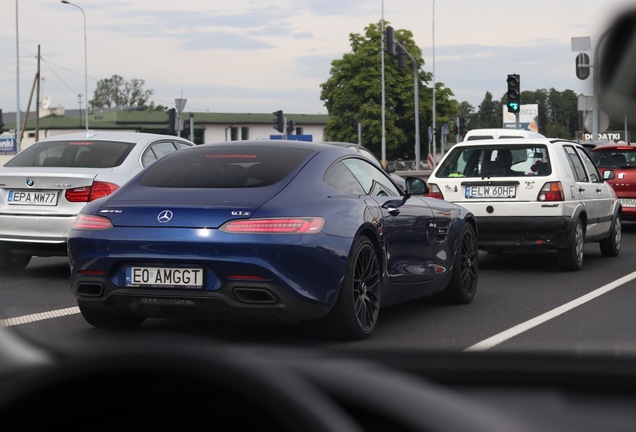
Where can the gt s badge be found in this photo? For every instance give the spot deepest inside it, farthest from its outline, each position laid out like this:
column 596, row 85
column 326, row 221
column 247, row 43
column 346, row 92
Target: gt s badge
column 240, row 213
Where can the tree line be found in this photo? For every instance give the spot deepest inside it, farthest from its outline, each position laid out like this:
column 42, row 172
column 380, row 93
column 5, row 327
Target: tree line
column 352, row 95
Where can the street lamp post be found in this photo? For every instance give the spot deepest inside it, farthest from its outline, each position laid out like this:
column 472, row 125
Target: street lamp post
column 85, row 64
column 596, row 111
column 434, row 85
column 383, row 95
column 417, row 103
column 180, row 105
column 18, row 135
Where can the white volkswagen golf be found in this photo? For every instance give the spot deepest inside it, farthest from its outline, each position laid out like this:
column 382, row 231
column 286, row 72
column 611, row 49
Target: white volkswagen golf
column 532, row 194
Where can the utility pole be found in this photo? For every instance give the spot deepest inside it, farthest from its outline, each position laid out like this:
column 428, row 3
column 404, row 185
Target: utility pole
column 17, row 82
column 179, row 105
column 595, row 82
column 37, row 100
column 416, row 87
column 434, row 85
column 383, row 95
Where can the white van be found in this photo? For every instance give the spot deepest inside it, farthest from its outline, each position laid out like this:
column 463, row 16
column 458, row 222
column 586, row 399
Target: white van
column 478, row 134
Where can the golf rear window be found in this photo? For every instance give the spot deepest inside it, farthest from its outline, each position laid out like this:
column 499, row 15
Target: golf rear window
column 480, row 161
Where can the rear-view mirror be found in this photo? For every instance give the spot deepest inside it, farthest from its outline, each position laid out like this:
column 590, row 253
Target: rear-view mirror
column 416, row 186
column 617, row 63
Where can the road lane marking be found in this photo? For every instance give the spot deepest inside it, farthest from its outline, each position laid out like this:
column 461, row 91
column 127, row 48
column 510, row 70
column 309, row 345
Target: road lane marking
column 525, row 326
column 25, row 319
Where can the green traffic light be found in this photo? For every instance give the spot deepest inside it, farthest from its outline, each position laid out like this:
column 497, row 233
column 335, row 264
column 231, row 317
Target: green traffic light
column 513, row 107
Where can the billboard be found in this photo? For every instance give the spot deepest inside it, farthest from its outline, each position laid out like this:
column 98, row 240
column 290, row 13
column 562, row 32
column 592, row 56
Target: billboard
column 613, row 136
column 528, row 118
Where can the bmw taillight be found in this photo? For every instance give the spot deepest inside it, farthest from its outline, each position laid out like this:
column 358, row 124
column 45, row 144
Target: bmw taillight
column 551, row 191
column 434, row 191
column 300, row 225
column 90, row 222
column 90, row 193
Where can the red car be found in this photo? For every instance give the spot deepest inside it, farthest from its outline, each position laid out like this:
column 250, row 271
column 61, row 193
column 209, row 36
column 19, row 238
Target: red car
column 617, row 162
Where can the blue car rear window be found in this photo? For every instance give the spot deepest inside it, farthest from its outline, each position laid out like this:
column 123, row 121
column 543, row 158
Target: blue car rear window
column 224, row 167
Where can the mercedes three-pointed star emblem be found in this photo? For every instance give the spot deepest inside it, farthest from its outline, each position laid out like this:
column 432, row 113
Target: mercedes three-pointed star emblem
column 164, row 216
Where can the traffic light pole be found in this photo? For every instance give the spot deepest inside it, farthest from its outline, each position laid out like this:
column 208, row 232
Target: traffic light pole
column 595, row 82
column 417, row 104
column 279, row 121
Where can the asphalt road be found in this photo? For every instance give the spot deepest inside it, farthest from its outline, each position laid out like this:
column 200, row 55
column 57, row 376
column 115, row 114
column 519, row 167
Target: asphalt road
column 523, row 302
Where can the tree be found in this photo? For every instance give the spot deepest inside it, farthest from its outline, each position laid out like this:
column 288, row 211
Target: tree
column 563, row 112
column 115, row 92
column 353, row 94
column 488, row 114
column 558, row 112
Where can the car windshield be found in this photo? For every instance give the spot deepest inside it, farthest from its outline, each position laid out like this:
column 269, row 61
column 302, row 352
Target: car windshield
column 614, row 158
column 353, row 215
column 502, row 161
column 84, row 153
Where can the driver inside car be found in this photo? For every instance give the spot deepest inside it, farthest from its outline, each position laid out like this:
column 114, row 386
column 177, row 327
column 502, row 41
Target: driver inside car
column 504, row 158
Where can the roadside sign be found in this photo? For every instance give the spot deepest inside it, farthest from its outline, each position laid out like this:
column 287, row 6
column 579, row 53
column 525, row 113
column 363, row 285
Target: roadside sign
column 7, row 145
column 582, row 66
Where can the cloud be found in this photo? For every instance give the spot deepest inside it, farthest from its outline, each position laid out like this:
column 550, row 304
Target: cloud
column 256, row 53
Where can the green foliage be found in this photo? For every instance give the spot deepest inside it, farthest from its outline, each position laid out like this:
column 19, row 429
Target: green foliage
column 353, row 94
column 558, row 112
column 489, row 114
column 115, row 92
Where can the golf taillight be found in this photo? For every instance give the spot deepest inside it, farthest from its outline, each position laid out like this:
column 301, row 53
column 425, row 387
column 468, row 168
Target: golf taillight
column 551, row 191
column 434, row 192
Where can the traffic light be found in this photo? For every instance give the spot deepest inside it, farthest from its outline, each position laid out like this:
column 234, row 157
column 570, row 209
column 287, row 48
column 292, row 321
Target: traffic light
column 172, row 121
column 279, row 121
column 291, row 126
column 514, row 94
column 401, row 60
column 390, row 41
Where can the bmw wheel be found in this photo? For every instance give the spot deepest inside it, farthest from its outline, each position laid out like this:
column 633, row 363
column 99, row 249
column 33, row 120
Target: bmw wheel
column 355, row 314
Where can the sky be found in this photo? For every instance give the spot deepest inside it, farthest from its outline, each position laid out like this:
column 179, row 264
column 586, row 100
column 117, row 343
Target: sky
column 259, row 56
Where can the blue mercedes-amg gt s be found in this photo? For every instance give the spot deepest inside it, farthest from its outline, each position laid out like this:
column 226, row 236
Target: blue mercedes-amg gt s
column 268, row 230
